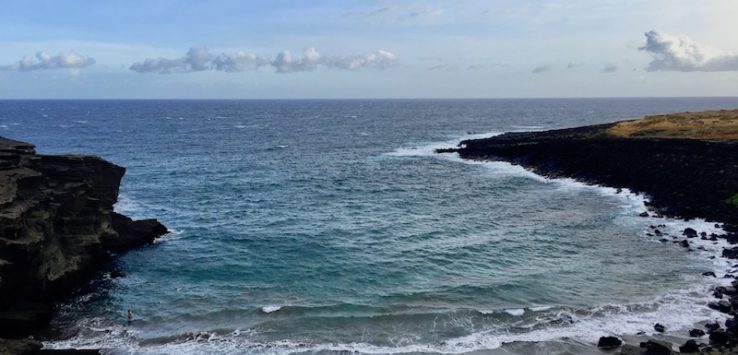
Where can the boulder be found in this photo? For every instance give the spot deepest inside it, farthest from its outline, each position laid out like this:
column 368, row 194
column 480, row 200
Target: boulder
column 132, row 234
column 719, row 337
column 609, row 342
column 689, row 347
column 690, row 233
column 730, row 253
column 712, row 326
column 658, row 347
column 721, row 306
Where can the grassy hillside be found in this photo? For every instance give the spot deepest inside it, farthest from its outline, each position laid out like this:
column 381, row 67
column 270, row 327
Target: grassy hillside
column 708, row 125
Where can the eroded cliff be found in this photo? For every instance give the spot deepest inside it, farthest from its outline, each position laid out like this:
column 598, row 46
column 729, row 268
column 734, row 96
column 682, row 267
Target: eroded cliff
column 57, row 227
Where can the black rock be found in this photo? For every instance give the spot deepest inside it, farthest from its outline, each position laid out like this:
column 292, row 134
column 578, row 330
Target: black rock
column 659, row 328
column 684, row 243
column 689, row 347
column 708, row 273
column 663, row 240
column 643, row 214
column 690, row 233
column 731, row 253
column 719, row 337
column 696, row 333
column 609, row 342
column 658, row 232
column 732, row 325
column 721, row 306
column 657, row 347
column 711, row 327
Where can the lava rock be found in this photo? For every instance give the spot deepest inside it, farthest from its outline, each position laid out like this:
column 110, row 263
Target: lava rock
column 720, row 306
column 689, row 347
column 659, row 328
column 711, row 327
column 609, row 342
column 690, row 233
column 719, row 337
column 731, row 253
column 657, row 347
column 696, row 333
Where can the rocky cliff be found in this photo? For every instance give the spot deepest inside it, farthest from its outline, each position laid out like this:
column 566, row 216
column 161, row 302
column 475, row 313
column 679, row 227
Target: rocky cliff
column 683, row 177
column 57, row 227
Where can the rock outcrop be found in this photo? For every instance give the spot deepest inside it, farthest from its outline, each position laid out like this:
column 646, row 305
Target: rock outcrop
column 57, row 227
column 683, row 177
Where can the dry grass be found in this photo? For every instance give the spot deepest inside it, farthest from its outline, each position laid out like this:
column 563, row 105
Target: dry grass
column 708, row 125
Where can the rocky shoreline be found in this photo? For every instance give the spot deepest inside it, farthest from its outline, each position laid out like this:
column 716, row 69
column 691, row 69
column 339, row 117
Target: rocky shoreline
column 684, row 177
column 57, row 231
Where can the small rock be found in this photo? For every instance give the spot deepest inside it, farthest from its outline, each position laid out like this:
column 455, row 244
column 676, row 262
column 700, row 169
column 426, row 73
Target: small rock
column 658, row 232
column 663, row 240
column 643, row 214
column 689, row 347
column 659, row 328
column 609, row 342
column 731, row 253
column 719, row 337
column 690, row 233
column 711, row 327
column 732, row 325
column 696, row 333
column 720, row 306
column 684, row 243
column 657, row 347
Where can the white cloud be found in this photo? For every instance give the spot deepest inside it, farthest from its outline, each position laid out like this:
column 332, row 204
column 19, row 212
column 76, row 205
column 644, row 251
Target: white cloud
column 680, row 53
column 198, row 59
column 44, row 60
column 239, row 61
column 379, row 60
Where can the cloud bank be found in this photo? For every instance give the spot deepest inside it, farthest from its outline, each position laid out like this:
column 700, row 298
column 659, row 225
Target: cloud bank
column 44, row 60
column 199, row 59
column 679, row 53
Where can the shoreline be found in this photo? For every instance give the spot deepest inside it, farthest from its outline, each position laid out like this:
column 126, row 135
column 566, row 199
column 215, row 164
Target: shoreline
column 641, row 162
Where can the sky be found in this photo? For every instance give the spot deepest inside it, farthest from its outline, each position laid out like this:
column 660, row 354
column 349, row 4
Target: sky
column 367, row 49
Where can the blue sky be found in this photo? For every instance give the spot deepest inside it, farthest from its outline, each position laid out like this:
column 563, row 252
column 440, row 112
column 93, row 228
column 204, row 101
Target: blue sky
column 367, row 49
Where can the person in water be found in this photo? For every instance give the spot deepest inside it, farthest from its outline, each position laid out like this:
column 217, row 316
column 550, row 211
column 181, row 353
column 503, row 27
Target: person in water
column 130, row 316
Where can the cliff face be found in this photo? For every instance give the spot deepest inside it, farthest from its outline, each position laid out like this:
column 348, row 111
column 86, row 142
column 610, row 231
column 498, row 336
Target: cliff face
column 685, row 178
column 57, row 227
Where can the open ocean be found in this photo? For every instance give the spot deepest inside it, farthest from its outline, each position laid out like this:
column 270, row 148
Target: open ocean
column 324, row 226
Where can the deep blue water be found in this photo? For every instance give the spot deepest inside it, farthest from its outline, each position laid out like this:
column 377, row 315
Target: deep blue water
column 321, row 226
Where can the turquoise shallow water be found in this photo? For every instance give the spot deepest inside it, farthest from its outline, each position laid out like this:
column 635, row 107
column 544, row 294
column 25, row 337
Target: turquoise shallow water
column 328, row 226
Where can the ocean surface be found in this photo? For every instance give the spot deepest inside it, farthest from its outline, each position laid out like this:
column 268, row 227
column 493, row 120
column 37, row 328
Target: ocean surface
column 321, row 226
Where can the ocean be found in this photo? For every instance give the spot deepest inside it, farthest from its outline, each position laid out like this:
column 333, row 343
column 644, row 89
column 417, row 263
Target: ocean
column 331, row 226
